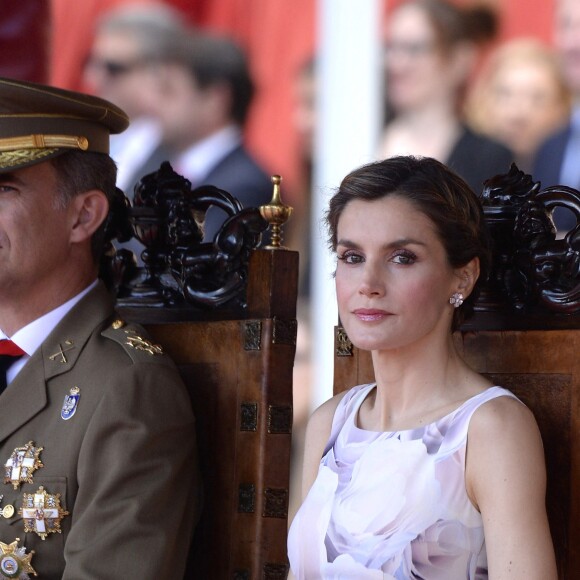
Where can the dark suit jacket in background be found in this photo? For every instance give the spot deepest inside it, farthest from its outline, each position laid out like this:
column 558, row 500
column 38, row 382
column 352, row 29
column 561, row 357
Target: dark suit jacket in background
column 547, row 170
column 124, row 464
column 549, row 159
column 477, row 158
column 237, row 173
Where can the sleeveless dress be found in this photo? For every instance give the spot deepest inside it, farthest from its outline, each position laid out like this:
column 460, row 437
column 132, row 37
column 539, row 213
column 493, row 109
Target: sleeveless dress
column 391, row 505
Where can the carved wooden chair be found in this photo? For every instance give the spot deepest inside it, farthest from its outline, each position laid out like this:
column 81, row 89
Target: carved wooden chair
column 525, row 336
column 226, row 313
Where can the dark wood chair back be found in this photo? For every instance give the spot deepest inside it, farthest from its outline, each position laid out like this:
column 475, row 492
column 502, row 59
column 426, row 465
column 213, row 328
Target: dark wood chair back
column 235, row 350
column 541, row 367
column 239, row 374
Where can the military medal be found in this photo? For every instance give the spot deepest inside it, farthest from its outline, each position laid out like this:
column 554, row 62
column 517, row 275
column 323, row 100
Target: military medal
column 23, row 462
column 70, row 404
column 15, row 562
column 41, row 512
column 7, row 511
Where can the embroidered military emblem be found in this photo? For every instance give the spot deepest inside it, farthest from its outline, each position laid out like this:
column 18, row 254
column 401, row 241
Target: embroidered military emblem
column 15, row 562
column 70, row 404
column 139, row 343
column 60, row 355
column 23, row 462
column 42, row 513
column 7, row 511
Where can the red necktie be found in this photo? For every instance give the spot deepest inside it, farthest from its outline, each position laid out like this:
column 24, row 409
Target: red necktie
column 9, row 354
column 7, row 347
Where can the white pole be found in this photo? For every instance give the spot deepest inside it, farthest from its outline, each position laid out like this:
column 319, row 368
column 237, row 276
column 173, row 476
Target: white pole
column 349, row 113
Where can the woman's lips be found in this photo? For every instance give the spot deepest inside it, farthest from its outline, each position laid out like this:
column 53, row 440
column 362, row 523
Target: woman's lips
column 370, row 315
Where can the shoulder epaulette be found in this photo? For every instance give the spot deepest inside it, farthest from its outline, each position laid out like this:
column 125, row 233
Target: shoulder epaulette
column 132, row 338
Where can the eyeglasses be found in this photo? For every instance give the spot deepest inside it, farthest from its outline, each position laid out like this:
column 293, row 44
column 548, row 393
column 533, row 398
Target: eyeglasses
column 113, row 68
column 409, row 49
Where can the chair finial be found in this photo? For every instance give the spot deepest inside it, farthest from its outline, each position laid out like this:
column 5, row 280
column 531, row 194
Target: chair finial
column 276, row 214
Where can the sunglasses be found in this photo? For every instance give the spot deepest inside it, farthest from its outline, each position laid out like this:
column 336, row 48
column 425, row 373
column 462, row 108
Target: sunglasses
column 113, row 68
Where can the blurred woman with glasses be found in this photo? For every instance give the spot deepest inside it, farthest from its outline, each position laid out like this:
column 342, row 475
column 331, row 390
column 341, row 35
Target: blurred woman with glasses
column 431, row 50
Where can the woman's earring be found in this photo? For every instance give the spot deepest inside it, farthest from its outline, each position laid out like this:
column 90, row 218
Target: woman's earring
column 456, row 299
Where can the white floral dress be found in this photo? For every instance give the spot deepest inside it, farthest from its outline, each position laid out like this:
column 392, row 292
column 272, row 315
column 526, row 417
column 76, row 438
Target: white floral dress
column 391, row 505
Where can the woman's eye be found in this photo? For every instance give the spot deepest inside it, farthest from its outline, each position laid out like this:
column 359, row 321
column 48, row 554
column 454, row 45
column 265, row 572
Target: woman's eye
column 351, row 258
column 404, row 258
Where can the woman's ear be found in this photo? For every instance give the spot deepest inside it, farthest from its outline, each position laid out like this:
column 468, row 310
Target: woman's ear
column 467, row 277
column 88, row 211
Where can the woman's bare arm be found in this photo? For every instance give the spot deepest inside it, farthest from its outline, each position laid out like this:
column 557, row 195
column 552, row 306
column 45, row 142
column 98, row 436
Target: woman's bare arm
column 506, row 479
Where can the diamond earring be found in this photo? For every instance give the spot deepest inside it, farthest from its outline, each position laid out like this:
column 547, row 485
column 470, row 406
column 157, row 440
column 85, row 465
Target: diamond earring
column 456, row 299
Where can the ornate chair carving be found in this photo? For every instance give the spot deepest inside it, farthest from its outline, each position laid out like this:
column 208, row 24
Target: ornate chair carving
column 525, row 335
column 226, row 312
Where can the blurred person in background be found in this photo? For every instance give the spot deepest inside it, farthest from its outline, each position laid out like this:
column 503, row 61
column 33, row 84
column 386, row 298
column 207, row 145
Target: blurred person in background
column 432, row 48
column 304, row 121
column 204, row 96
column 130, row 44
column 71, row 36
column 520, row 98
column 558, row 159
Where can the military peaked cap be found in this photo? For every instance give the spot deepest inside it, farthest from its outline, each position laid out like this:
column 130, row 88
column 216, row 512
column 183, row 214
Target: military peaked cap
column 38, row 122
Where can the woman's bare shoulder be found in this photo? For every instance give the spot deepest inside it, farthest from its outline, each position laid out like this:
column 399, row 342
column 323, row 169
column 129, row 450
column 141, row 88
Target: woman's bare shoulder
column 500, row 414
column 318, row 433
column 321, row 418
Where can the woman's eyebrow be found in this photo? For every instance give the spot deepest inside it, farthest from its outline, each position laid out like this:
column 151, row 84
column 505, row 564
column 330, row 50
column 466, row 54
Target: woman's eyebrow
column 395, row 243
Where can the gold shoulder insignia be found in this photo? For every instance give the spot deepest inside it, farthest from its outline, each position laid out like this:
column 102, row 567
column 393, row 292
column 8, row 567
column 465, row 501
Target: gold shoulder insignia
column 139, row 343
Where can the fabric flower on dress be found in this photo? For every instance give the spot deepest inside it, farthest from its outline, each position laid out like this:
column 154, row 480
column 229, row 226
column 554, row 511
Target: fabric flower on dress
column 372, row 528
column 444, row 551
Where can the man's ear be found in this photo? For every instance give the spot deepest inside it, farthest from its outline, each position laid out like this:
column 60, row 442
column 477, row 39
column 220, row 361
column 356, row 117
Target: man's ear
column 88, row 211
column 467, row 277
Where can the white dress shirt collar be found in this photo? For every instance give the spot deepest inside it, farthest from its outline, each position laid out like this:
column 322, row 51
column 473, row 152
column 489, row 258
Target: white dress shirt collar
column 31, row 336
column 196, row 162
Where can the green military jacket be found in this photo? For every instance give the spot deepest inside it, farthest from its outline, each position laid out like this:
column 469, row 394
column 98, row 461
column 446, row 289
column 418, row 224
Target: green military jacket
column 97, row 445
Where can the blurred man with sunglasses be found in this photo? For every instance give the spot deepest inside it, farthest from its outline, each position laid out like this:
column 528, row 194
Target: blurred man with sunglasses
column 130, row 43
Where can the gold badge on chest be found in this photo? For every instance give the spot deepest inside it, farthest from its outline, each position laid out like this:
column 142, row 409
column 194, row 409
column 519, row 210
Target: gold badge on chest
column 15, row 562
column 7, row 511
column 41, row 512
column 60, row 355
column 21, row 464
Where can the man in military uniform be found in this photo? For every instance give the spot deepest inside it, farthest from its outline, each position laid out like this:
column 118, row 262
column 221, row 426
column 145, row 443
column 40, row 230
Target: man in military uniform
column 97, row 436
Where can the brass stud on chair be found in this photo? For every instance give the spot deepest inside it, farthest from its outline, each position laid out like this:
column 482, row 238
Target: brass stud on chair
column 276, row 214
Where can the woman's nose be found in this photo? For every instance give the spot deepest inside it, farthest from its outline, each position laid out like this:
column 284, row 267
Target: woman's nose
column 372, row 282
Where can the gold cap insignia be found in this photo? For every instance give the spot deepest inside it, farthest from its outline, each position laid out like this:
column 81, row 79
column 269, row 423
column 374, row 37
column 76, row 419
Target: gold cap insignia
column 23, row 462
column 42, row 513
column 38, row 122
column 15, row 562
